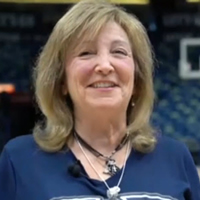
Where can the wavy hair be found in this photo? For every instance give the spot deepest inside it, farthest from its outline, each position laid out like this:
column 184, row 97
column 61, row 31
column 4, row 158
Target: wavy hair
column 87, row 18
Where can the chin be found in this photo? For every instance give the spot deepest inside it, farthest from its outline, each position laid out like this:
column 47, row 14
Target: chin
column 106, row 105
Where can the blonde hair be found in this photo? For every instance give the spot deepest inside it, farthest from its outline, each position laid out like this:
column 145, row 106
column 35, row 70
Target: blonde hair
column 87, row 18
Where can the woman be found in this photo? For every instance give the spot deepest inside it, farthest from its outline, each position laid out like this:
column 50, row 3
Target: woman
column 93, row 83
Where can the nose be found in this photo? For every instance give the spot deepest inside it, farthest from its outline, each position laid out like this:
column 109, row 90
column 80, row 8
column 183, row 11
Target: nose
column 104, row 65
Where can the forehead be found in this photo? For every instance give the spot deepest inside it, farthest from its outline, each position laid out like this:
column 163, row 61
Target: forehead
column 113, row 31
column 110, row 31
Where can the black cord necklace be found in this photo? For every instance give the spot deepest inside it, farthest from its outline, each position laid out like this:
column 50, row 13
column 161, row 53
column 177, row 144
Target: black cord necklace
column 111, row 167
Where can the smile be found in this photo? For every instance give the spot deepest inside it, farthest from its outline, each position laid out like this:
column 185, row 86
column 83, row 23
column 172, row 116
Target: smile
column 103, row 85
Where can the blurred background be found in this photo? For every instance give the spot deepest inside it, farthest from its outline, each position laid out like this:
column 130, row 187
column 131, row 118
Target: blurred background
column 174, row 29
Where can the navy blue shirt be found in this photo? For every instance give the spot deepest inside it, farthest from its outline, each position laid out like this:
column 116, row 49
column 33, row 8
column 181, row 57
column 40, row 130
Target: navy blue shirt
column 28, row 173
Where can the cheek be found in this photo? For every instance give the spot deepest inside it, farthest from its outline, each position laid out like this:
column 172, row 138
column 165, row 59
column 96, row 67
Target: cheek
column 85, row 71
column 127, row 71
column 79, row 73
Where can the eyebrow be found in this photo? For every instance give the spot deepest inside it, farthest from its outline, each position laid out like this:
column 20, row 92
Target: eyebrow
column 121, row 42
column 114, row 42
column 87, row 42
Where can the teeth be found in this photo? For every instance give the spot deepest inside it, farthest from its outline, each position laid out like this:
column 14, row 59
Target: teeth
column 103, row 85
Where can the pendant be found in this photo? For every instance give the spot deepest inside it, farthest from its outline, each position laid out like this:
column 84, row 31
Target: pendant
column 113, row 193
column 111, row 167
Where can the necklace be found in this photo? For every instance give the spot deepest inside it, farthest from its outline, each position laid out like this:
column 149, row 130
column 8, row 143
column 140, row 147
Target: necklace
column 113, row 192
column 111, row 167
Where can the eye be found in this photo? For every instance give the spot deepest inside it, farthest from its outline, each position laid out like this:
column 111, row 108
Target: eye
column 85, row 53
column 120, row 52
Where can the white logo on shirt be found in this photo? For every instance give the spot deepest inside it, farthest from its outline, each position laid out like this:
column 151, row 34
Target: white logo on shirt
column 125, row 196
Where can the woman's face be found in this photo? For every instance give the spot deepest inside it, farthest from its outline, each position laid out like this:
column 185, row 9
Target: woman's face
column 100, row 74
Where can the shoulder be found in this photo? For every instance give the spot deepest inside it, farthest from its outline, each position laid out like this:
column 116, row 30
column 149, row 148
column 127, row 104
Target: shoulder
column 174, row 153
column 18, row 154
column 21, row 145
column 20, row 142
column 24, row 149
column 169, row 150
column 170, row 145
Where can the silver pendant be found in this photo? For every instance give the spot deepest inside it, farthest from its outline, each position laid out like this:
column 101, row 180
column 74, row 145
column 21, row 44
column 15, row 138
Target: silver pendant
column 111, row 167
column 113, row 193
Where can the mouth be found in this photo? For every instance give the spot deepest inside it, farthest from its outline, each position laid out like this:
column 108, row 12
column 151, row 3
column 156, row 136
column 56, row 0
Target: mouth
column 103, row 85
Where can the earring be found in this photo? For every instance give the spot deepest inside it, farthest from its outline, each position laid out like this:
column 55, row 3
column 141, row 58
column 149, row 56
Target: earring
column 132, row 104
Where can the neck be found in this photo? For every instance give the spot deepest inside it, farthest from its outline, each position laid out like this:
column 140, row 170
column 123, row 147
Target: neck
column 102, row 133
